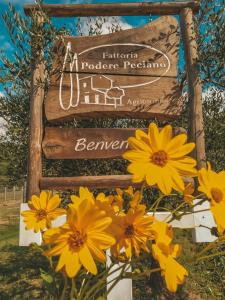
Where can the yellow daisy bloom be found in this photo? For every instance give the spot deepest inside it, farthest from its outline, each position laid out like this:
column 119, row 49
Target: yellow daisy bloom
column 43, row 210
column 173, row 272
column 132, row 231
column 160, row 159
column 212, row 184
column 81, row 240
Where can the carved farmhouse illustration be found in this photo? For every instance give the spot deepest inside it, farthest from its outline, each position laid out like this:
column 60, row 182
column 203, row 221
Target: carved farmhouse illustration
column 99, row 89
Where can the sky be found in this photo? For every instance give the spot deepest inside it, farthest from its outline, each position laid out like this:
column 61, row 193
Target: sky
column 5, row 44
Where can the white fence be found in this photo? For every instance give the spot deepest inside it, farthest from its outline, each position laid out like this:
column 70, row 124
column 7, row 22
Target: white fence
column 14, row 193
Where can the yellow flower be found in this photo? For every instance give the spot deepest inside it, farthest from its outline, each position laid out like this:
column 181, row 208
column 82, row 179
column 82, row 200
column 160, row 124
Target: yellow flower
column 43, row 210
column 187, row 193
column 82, row 239
column 160, row 159
column 212, row 184
column 173, row 272
column 112, row 204
column 162, row 233
column 132, row 232
column 135, row 197
column 84, row 194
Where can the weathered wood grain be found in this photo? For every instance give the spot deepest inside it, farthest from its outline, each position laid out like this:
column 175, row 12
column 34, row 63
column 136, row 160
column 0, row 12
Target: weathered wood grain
column 92, row 182
column 163, row 100
column 161, row 35
column 129, row 73
column 36, row 124
column 196, row 127
column 88, row 143
column 114, row 9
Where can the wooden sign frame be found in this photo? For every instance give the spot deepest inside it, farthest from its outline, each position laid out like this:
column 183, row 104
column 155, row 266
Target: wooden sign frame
column 185, row 10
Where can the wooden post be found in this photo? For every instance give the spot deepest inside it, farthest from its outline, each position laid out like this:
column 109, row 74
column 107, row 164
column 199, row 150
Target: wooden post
column 113, row 9
column 36, row 108
column 5, row 194
column 21, row 197
column 196, row 130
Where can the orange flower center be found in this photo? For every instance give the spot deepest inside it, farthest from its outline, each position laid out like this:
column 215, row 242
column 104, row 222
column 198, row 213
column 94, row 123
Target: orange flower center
column 41, row 214
column 129, row 231
column 217, row 194
column 76, row 240
column 159, row 158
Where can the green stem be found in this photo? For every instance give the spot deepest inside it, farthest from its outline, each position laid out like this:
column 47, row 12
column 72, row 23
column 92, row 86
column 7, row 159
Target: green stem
column 145, row 273
column 81, row 288
column 53, row 271
column 53, row 276
column 210, row 256
column 157, row 201
column 73, row 289
column 101, row 282
column 116, row 280
column 184, row 213
column 210, row 246
column 64, row 288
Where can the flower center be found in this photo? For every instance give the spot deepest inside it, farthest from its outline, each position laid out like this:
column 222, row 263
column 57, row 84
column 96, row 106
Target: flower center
column 217, row 194
column 76, row 240
column 41, row 214
column 159, row 158
column 129, row 231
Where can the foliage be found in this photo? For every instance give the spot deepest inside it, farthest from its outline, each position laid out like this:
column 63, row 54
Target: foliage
column 211, row 41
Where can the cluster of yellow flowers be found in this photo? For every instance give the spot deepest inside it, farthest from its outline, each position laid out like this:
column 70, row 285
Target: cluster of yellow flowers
column 95, row 224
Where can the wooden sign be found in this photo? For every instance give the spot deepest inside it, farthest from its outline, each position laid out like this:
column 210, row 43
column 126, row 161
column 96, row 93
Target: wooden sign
column 87, row 143
column 128, row 73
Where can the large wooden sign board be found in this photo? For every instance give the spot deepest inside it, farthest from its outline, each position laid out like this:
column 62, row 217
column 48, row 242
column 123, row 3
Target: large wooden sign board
column 132, row 73
column 128, row 73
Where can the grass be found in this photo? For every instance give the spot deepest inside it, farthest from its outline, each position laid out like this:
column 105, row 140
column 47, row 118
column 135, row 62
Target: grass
column 19, row 268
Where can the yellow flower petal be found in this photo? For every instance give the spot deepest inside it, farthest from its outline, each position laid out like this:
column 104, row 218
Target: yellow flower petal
column 53, row 202
column 87, row 260
column 176, row 142
column 43, row 199
column 218, row 211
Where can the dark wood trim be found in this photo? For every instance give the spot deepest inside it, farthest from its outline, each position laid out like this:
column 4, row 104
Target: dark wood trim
column 196, row 128
column 114, row 9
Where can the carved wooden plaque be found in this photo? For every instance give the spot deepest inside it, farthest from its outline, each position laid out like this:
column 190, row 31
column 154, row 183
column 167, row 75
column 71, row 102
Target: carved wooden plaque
column 88, row 143
column 128, row 73
column 85, row 143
